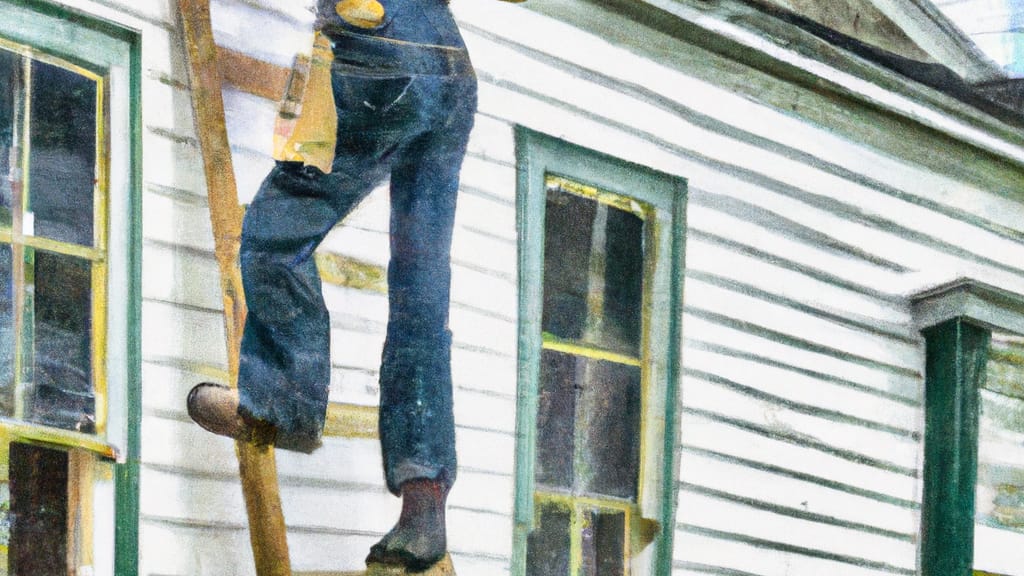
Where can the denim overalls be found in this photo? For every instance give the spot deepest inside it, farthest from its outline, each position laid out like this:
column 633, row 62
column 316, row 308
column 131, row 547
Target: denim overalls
column 405, row 94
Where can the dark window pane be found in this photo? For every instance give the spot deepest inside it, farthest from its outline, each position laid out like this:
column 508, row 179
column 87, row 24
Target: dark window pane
column 604, row 537
column 593, row 272
column 624, row 275
column 62, row 159
column 10, row 95
column 568, row 224
column 547, row 548
column 62, row 395
column 556, row 420
column 588, row 426
column 7, row 340
column 39, row 511
column 608, row 409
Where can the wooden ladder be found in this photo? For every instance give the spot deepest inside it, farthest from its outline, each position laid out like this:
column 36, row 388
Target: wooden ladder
column 208, row 67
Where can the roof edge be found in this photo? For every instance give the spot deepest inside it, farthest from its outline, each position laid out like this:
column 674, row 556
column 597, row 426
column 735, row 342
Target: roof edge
column 750, row 26
column 936, row 34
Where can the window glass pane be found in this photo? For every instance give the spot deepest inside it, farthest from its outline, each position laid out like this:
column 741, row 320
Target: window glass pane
column 999, row 500
column 62, row 393
column 547, row 548
column 62, row 156
column 588, row 426
column 7, row 341
column 608, row 416
column 593, row 272
column 604, row 537
column 38, row 511
column 569, row 223
column 10, row 92
column 624, row 274
column 556, row 420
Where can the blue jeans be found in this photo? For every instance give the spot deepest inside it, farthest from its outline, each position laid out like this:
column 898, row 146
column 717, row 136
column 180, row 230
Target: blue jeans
column 405, row 110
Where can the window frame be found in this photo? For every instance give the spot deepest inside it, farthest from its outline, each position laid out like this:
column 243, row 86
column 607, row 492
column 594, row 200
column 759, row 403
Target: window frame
column 663, row 198
column 113, row 54
column 957, row 321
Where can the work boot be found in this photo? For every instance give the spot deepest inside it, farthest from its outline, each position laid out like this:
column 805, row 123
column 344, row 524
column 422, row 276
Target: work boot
column 215, row 408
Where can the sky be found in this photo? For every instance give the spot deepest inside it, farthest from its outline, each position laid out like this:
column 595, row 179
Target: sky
column 996, row 26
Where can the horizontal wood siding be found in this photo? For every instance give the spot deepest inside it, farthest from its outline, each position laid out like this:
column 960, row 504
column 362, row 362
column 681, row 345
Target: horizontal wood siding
column 801, row 419
column 811, row 219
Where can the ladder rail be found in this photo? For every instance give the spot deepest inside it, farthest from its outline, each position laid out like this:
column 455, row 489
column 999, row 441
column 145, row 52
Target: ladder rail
column 257, row 465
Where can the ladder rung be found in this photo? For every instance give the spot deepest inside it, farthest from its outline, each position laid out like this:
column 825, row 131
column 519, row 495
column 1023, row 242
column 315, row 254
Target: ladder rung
column 351, row 421
column 442, row 568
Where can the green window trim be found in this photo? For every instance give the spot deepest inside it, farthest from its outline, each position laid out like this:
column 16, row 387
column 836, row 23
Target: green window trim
column 660, row 199
column 114, row 53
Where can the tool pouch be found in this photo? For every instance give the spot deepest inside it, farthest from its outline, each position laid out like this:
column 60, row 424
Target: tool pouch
column 307, row 121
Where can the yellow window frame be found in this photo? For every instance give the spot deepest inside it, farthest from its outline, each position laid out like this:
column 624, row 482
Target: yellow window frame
column 579, row 505
column 19, row 242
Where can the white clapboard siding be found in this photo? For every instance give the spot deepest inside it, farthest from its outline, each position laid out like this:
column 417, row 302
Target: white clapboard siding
column 785, row 320
column 477, row 369
column 852, row 440
column 489, row 214
column 656, row 74
column 834, row 399
column 172, row 163
column 483, row 491
column 798, row 496
column 711, row 434
column 173, row 547
column 825, row 361
column 746, row 521
column 713, row 255
column 710, row 552
column 181, row 275
column 193, row 334
column 801, row 393
column 175, row 219
column 483, row 251
column 354, row 386
column 172, row 100
column 596, row 51
column 246, row 28
column 485, row 410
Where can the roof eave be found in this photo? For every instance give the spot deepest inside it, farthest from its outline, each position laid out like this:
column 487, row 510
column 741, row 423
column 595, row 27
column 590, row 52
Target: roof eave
column 936, row 34
column 853, row 75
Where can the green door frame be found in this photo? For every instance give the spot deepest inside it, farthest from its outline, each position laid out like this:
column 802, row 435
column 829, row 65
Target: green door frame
column 538, row 155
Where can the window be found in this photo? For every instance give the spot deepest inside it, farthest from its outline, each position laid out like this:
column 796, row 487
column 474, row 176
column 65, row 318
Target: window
column 999, row 493
column 973, row 501
column 601, row 245
column 68, row 293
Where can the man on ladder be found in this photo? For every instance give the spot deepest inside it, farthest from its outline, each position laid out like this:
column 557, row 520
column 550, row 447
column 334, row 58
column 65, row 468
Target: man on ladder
column 404, row 92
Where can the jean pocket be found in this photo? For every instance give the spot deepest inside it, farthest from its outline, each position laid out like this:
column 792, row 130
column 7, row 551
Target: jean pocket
column 362, row 100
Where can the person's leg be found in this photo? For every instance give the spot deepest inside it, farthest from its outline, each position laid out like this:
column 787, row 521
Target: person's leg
column 284, row 369
column 284, row 372
column 416, row 422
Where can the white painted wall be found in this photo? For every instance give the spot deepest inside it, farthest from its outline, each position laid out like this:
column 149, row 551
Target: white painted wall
column 801, row 414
